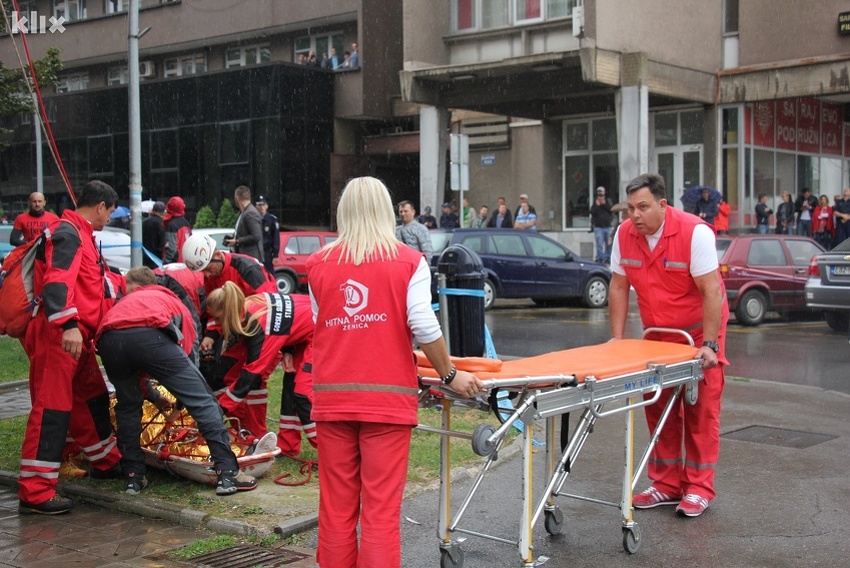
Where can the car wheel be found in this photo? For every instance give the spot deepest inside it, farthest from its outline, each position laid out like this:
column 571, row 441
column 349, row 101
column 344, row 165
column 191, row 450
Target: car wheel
column 837, row 321
column 285, row 281
column 752, row 308
column 489, row 294
column 595, row 293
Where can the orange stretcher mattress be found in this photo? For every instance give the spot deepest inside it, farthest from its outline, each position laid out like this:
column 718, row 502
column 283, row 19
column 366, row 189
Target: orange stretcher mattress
column 601, row 361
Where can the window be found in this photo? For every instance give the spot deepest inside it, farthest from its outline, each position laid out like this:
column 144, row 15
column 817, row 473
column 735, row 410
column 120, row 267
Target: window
column 100, row 155
column 233, row 141
column 509, row 245
column 320, row 44
column 119, row 75
column 78, row 82
column 766, row 252
column 249, row 55
column 544, row 248
column 163, row 150
column 303, row 245
column 186, row 65
column 71, row 10
column 476, row 15
column 590, row 160
column 115, row 6
column 730, row 17
column 801, row 251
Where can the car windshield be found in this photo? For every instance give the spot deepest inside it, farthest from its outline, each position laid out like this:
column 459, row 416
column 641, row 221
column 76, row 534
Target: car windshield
column 439, row 241
column 722, row 247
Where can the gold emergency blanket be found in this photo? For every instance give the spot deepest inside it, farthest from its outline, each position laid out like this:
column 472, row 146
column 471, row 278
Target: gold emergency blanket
column 172, row 442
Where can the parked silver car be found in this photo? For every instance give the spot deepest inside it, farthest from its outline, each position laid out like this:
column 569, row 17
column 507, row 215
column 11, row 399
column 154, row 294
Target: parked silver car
column 828, row 287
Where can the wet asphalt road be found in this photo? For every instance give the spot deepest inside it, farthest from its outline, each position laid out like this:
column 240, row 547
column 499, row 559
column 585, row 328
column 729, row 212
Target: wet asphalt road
column 801, row 350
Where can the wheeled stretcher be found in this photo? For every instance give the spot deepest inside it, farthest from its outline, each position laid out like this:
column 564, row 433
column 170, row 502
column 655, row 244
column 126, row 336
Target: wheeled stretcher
column 599, row 381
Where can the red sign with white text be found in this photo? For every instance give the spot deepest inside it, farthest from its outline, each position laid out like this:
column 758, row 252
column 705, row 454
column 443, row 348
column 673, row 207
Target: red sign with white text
column 764, row 121
column 786, row 125
column 830, row 129
column 808, row 125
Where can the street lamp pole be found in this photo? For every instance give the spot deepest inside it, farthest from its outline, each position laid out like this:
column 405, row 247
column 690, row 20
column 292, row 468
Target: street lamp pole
column 135, row 137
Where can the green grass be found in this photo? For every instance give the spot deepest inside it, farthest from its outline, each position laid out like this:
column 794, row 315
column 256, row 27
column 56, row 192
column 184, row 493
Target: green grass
column 203, row 547
column 14, row 364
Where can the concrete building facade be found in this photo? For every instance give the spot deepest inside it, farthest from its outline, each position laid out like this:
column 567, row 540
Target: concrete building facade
column 746, row 97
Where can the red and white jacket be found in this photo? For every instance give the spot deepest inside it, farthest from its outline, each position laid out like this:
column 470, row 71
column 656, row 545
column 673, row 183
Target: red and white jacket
column 363, row 366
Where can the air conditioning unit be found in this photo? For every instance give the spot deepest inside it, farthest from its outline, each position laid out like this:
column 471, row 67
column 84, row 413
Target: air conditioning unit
column 147, row 69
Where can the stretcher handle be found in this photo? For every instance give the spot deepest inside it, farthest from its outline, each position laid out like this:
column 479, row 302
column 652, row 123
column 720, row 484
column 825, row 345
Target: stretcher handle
column 590, row 382
column 682, row 332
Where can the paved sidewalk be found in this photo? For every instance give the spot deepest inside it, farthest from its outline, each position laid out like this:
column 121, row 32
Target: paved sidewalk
column 782, row 501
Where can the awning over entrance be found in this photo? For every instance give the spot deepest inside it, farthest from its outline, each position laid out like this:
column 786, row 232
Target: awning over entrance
column 550, row 85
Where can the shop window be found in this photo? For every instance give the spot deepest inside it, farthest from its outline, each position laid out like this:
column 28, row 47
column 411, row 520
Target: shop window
column 692, row 127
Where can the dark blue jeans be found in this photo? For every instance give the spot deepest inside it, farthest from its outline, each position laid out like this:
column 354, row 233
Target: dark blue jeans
column 126, row 352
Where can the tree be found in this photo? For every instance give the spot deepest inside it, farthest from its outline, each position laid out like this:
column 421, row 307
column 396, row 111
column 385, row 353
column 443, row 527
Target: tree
column 205, row 218
column 14, row 95
column 227, row 214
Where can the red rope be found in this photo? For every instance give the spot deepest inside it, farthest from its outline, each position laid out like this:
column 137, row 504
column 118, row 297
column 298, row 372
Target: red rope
column 42, row 110
column 305, row 469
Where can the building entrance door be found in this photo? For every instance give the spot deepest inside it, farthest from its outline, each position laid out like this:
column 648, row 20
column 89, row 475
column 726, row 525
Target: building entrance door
column 681, row 168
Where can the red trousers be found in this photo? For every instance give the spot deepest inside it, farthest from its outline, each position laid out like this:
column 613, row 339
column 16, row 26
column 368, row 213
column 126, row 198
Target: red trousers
column 699, row 427
column 69, row 398
column 296, row 405
column 363, row 469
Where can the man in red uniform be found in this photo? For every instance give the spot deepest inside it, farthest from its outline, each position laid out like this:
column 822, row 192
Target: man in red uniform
column 69, row 396
column 152, row 331
column 28, row 226
column 669, row 257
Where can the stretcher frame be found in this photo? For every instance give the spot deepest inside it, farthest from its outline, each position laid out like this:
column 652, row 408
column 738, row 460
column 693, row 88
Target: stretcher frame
column 545, row 398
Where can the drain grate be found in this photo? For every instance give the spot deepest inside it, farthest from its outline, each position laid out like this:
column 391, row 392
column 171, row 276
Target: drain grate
column 778, row 437
column 246, row 556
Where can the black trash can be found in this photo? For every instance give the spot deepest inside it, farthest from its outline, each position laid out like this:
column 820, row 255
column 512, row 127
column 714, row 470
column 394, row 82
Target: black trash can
column 464, row 271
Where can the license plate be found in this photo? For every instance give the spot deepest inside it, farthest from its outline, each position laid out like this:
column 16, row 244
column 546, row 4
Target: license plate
column 841, row 270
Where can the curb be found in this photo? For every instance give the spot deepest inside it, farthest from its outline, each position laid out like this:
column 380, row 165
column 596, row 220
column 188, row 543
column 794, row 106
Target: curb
column 184, row 516
column 14, row 386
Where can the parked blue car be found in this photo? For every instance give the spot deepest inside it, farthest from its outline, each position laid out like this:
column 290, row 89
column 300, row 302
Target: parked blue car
column 522, row 264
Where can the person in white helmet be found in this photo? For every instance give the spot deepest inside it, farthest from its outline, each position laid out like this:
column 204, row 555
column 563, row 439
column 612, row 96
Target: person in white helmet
column 218, row 266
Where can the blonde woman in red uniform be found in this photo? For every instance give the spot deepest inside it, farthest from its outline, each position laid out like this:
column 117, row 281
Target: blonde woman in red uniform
column 371, row 296
column 255, row 331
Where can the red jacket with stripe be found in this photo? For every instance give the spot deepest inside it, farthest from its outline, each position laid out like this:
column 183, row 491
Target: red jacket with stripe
column 363, row 366
column 155, row 307
column 73, row 278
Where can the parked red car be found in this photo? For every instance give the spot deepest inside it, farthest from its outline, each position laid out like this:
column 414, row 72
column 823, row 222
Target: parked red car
column 765, row 273
column 290, row 266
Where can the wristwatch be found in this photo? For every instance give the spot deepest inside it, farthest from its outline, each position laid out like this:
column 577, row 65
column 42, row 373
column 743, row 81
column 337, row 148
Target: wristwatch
column 711, row 345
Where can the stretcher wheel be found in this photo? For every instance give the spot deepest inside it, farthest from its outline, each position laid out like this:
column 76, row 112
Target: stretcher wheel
column 451, row 558
column 631, row 539
column 480, row 437
column 553, row 521
column 692, row 393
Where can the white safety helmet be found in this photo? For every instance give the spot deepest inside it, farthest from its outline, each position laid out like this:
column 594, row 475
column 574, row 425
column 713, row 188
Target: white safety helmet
column 198, row 251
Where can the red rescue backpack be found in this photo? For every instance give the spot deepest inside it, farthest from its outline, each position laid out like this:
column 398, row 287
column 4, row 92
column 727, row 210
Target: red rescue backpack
column 18, row 302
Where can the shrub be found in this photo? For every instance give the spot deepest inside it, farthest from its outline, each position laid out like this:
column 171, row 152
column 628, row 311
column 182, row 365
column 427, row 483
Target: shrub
column 205, row 218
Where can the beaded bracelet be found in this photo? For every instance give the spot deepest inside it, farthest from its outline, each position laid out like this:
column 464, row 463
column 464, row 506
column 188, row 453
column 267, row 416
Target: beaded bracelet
column 450, row 377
